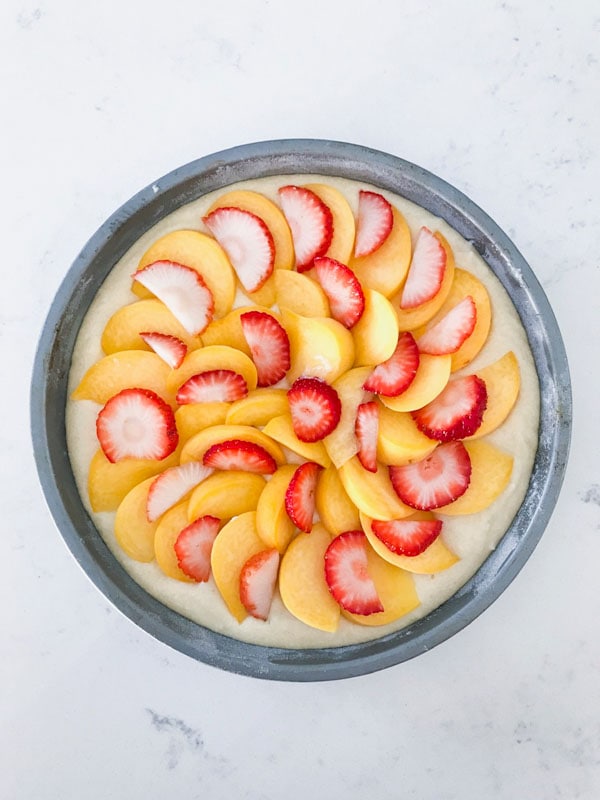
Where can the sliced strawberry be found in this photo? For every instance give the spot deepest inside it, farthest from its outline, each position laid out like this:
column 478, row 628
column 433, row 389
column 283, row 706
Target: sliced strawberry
column 366, row 429
column 136, row 423
column 257, row 582
column 436, row 480
column 193, row 547
column 426, row 270
column 456, row 412
column 269, row 346
column 374, row 224
column 171, row 349
column 407, row 537
column 315, row 408
column 214, row 385
column 182, row 290
column 450, row 332
column 347, row 576
column 395, row 375
column 300, row 495
column 343, row 290
column 239, row 454
column 172, row 485
column 310, row 221
column 248, row 243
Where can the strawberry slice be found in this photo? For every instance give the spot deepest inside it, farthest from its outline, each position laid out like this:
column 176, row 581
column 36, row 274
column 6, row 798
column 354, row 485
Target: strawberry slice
column 456, row 412
column 426, row 270
column 366, row 429
column 407, row 537
column 214, row 385
column 171, row 349
column 436, row 480
column 193, row 547
column 450, row 332
column 347, row 576
column 182, row 290
column 343, row 290
column 248, row 243
column 257, row 582
column 374, row 223
column 239, row 454
column 395, row 375
column 315, row 408
column 310, row 221
column 269, row 346
column 300, row 495
column 136, row 423
column 172, row 485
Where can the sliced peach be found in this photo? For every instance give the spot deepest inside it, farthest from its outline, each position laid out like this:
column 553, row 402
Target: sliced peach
column 376, row 332
column 122, row 331
column 297, row 292
column 399, row 440
column 431, row 377
column 228, row 330
column 302, row 585
column 194, row 417
column 213, row 357
column 194, row 448
column 344, row 227
column 125, row 369
column 385, row 269
column 336, row 511
column 273, row 525
column 258, row 407
column 341, row 444
column 168, row 529
column 372, row 492
column 491, row 469
column 502, row 382
column 134, row 534
column 320, row 347
column 281, row 429
column 225, row 495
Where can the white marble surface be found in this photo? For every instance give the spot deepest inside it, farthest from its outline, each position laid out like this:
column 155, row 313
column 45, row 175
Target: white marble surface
column 498, row 98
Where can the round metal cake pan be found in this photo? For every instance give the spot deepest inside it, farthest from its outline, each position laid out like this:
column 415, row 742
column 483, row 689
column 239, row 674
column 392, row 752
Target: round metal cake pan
column 216, row 171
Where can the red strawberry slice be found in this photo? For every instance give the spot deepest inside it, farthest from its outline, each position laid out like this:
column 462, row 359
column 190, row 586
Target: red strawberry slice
column 366, row 429
column 343, row 290
column 407, row 537
column 239, row 454
column 315, row 408
column 310, row 221
column 136, row 423
column 436, row 480
column 248, row 243
column 193, row 547
column 182, row 290
column 395, row 375
column 374, row 224
column 426, row 270
column 347, row 576
column 450, row 332
column 172, row 485
column 456, row 412
column 171, row 349
column 269, row 346
column 300, row 495
column 257, row 582
column 214, row 385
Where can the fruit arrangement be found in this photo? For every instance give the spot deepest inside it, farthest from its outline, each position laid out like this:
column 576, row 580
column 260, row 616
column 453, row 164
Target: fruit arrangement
column 286, row 405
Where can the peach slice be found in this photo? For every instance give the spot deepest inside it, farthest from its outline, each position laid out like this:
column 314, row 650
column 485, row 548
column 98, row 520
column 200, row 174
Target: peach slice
column 297, row 292
column 503, row 383
column 194, row 417
column 399, row 440
column 436, row 558
column 228, row 330
column 336, row 511
column 320, row 347
column 376, row 332
column 225, row 495
column 123, row 370
column 258, row 407
column 200, row 252
column 122, row 331
column 236, row 542
column 281, row 429
column 273, row 525
column 491, row 469
column 168, row 529
column 431, row 377
column 302, row 585
column 194, row 448
column 341, row 444
column 134, row 534
column 385, row 269
column 344, row 228
column 372, row 492
column 213, row 357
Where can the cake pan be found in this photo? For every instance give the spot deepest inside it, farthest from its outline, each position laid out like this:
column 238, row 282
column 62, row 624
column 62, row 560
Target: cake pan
column 187, row 183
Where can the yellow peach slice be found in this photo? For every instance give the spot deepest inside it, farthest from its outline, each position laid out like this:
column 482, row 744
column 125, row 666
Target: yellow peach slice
column 320, row 347
column 200, row 252
column 399, row 441
column 281, row 429
column 376, row 332
column 228, row 330
column 124, row 370
column 502, row 382
column 372, row 492
column 431, row 377
column 491, row 469
column 122, row 331
column 134, row 534
column 168, row 529
column 194, row 417
column 194, row 448
column 236, row 542
column 341, row 444
column 213, row 357
column 273, row 525
column 335, row 509
column 385, row 269
column 258, row 407
column 302, row 584
column 297, row 292
column 344, row 227
column 225, row 495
